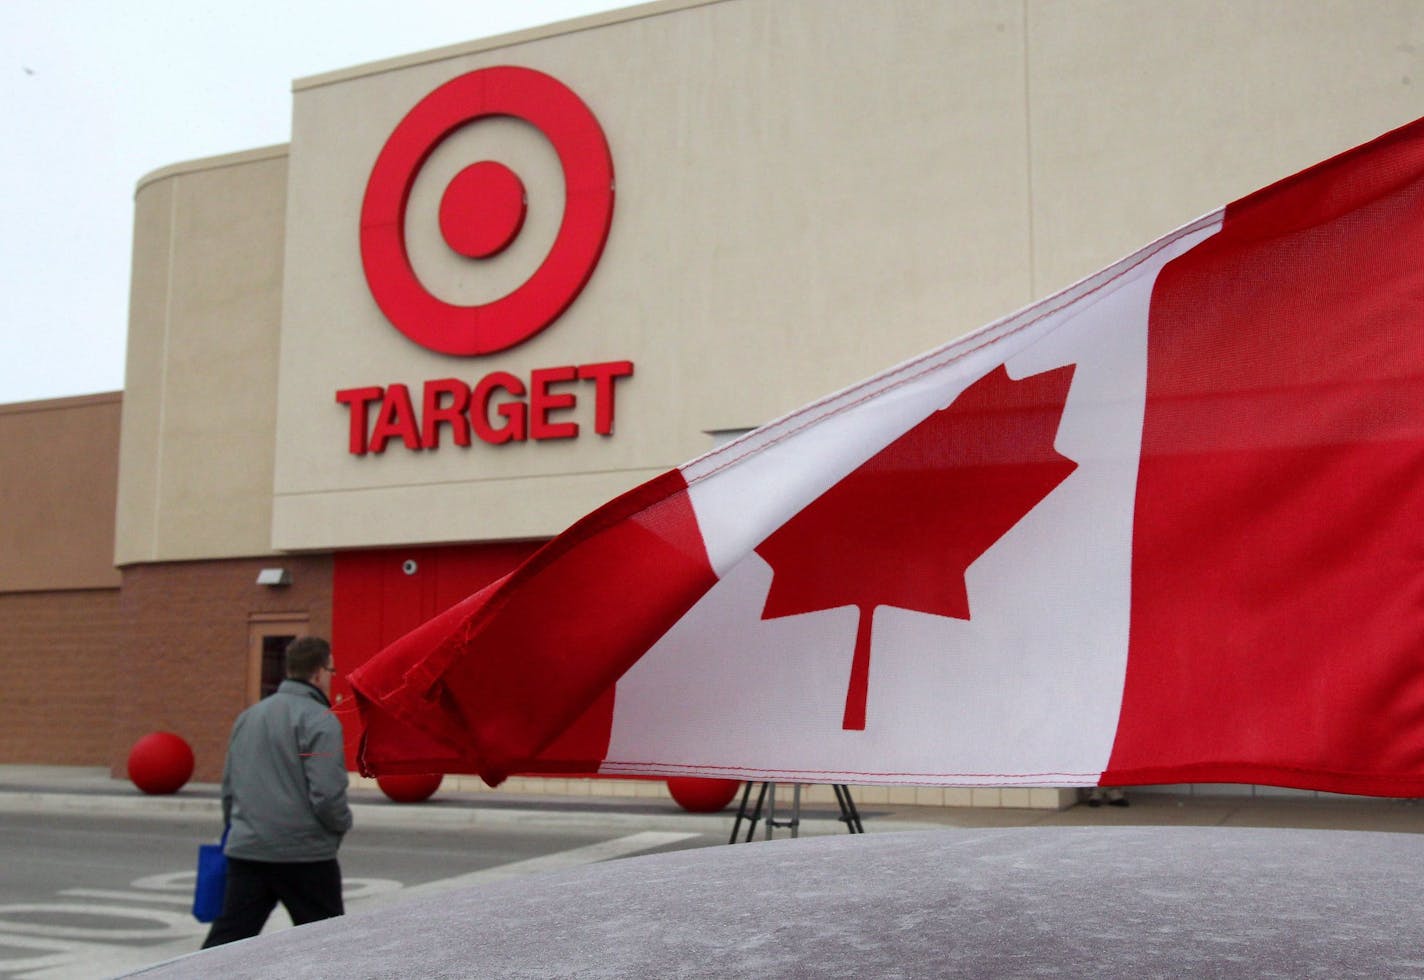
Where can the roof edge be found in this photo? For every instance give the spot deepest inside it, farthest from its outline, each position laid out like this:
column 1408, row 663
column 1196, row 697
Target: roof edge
column 218, row 162
column 657, row 8
column 65, row 401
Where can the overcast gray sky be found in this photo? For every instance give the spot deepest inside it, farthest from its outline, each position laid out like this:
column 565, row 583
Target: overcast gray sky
column 95, row 94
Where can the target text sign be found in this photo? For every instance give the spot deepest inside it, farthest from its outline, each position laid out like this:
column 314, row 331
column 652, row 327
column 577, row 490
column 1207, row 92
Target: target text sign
column 494, row 409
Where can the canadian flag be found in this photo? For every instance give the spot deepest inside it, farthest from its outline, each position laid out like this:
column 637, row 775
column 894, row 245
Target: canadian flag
column 1165, row 526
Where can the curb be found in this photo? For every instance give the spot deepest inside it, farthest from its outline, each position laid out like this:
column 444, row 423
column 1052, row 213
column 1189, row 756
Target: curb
column 35, row 801
column 444, row 814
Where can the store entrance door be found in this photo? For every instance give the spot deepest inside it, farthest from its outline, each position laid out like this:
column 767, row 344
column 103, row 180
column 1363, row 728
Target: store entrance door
column 267, row 637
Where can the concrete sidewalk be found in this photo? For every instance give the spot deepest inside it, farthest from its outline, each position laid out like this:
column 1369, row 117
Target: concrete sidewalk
column 91, row 790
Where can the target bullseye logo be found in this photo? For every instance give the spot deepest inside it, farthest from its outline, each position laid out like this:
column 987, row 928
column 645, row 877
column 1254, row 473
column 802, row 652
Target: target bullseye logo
column 482, row 211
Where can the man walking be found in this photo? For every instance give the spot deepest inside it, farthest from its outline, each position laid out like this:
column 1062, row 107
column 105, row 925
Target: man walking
column 284, row 800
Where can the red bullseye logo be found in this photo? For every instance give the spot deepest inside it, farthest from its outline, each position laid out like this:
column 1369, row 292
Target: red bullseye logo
column 482, row 211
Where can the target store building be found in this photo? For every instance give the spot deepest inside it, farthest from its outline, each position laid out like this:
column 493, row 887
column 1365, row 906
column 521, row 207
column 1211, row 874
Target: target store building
column 485, row 289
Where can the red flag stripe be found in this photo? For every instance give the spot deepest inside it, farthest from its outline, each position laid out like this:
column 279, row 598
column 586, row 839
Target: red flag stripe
column 500, row 676
column 1278, row 566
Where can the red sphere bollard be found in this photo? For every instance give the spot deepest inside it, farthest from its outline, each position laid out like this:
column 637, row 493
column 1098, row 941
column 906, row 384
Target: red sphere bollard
column 160, row 763
column 410, row 788
column 702, row 795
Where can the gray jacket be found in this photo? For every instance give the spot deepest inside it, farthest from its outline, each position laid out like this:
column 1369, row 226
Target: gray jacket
column 284, row 782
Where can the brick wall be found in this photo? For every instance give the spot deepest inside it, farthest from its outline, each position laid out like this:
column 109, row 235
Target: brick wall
column 58, row 651
column 185, row 647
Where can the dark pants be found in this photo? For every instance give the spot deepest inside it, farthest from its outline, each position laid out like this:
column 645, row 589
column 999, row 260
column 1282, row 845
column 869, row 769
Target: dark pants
column 308, row 890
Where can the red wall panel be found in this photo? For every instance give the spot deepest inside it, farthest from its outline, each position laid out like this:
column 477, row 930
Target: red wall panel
column 378, row 596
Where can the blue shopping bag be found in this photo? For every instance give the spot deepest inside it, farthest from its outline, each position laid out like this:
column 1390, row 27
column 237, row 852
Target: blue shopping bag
column 212, row 880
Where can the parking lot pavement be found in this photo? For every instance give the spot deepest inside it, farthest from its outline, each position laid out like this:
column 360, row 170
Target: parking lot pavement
column 87, row 895
column 99, row 924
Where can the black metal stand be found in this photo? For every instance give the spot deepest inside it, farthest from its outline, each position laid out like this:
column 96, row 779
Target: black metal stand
column 849, row 814
column 766, row 797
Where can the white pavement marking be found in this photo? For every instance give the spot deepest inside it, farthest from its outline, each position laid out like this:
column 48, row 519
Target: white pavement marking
column 40, row 952
column 116, row 895
column 169, row 881
column 169, row 925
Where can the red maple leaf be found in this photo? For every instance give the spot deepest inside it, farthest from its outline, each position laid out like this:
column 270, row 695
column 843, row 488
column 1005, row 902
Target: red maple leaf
column 902, row 528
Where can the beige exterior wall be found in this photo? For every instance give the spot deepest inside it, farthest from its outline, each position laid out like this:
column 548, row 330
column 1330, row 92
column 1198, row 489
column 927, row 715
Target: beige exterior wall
column 1145, row 114
column 58, row 470
column 201, row 381
column 785, row 177
column 807, row 192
